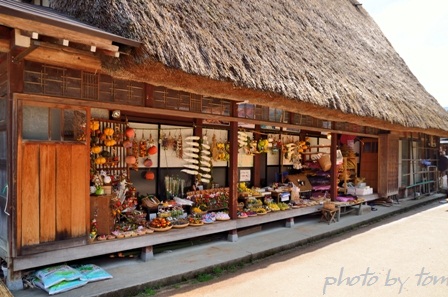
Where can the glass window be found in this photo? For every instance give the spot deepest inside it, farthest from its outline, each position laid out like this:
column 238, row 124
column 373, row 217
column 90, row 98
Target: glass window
column 2, row 145
column 53, row 124
column 35, row 122
column 2, row 109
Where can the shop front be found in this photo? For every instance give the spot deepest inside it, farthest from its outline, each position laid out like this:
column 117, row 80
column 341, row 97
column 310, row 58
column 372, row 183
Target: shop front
column 100, row 154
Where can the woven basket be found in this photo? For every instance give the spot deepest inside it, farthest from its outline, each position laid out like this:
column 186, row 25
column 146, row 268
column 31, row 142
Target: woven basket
column 329, row 205
column 150, row 202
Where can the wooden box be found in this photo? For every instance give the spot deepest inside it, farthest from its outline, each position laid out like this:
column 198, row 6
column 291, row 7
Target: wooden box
column 305, row 183
column 100, row 206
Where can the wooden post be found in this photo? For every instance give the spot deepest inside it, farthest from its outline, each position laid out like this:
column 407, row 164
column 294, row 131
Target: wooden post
column 233, row 166
column 334, row 169
column 256, row 168
column 16, row 70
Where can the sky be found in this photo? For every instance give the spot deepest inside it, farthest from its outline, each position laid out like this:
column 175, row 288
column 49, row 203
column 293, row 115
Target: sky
column 418, row 30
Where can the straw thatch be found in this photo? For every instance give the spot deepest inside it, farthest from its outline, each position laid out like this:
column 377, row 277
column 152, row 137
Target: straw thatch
column 327, row 57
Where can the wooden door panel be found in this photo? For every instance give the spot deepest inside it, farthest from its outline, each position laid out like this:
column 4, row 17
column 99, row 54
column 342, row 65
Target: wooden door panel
column 47, row 193
column 29, row 191
column 53, row 192
column 369, row 162
column 388, row 165
column 79, row 205
column 63, row 191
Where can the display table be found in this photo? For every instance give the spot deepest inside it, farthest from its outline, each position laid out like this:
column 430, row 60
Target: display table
column 348, row 207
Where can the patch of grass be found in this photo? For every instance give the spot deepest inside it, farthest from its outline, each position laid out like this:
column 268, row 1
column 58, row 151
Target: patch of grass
column 234, row 267
column 204, row 277
column 149, row 292
column 218, row 271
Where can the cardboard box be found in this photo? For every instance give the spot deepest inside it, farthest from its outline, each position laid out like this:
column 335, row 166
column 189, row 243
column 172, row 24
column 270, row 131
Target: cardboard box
column 360, row 191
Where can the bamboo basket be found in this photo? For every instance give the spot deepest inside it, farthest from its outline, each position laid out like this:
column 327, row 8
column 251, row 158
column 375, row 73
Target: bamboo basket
column 150, row 202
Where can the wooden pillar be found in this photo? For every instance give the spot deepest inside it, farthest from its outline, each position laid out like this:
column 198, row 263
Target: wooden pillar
column 233, row 166
column 256, row 169
column 16, row 73
column 197, row 127
column 334, row 169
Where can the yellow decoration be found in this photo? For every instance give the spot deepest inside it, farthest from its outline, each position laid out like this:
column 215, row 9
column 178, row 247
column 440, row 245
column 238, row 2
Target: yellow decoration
column 108, row 131
column 96, row 149
column 94, row 125
column 110, row 142
column 100, row 160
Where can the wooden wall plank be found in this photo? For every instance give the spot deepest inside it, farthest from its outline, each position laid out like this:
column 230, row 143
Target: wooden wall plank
column 30, row 194
column 79, row 180
column 47, row 192
column 63, row 191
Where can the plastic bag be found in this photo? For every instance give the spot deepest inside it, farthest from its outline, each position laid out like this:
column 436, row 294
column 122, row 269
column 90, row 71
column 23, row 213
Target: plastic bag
column 295, row 193
column 53, row 275
column 60, row 287
column 92, row 272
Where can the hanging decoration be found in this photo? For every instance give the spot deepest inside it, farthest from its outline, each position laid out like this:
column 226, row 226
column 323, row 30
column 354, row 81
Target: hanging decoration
column 198, row 157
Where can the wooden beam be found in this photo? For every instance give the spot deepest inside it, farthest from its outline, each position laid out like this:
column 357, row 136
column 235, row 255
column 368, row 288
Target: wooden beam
column 23, row 53
column 54, row 31
column 4, row 45
column 21, row 40
column 65, row 58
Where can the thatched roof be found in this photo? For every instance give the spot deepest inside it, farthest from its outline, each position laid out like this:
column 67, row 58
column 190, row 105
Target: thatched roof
column 328, row 57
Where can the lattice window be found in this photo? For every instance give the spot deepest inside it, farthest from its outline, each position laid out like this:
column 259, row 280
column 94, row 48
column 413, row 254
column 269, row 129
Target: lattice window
column 215, row 106
column 196, row 103
column 62, row 82
column 105, row 87
column 72, row 83
column 246, row 111
column 371, row 130
column 349, row 127
column 90, row 86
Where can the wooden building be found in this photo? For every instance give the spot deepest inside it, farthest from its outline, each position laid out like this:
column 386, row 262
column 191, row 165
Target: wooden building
column 297, row 68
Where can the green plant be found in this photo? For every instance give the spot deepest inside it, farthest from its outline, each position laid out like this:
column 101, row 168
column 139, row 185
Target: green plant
column 218, row 271
column 150, row 292
column 204, row 277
